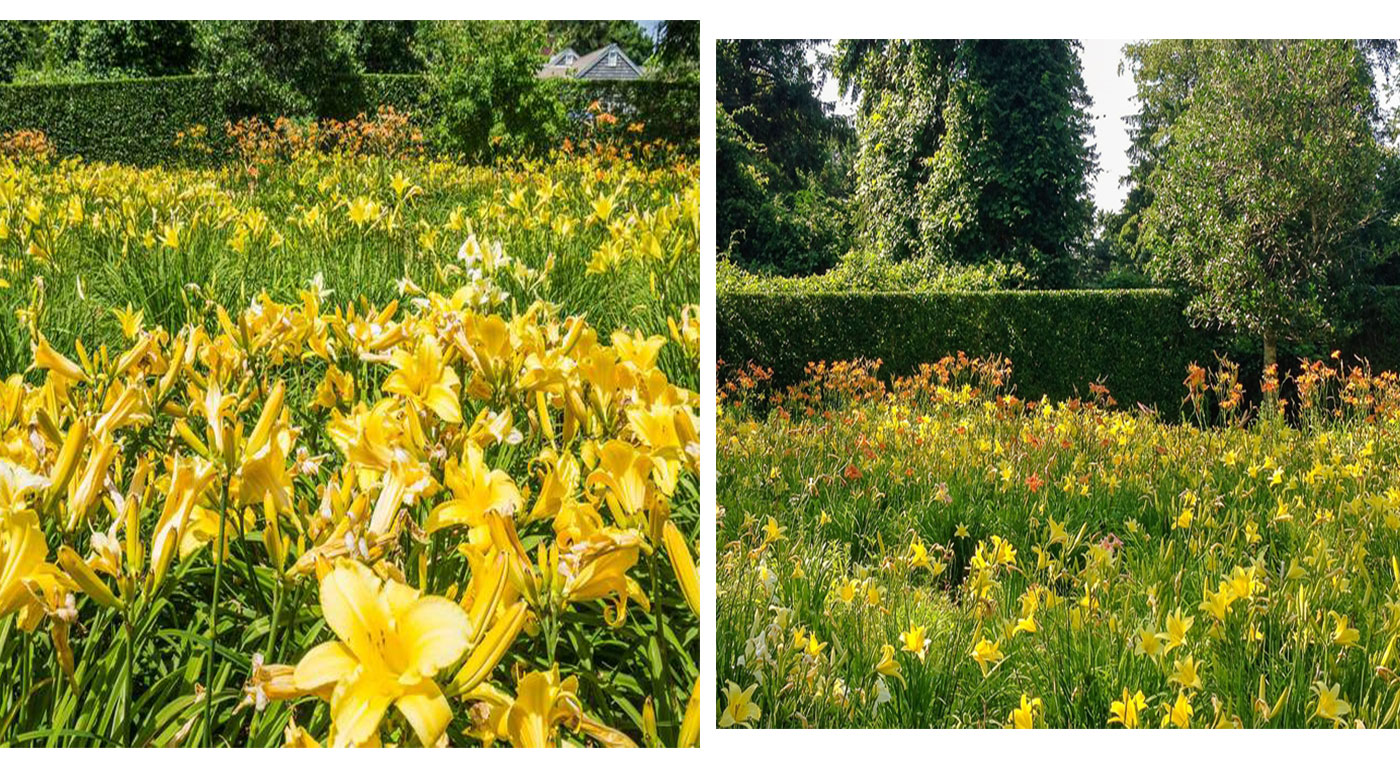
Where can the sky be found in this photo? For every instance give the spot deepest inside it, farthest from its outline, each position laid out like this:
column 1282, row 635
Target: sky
column 1112, row 94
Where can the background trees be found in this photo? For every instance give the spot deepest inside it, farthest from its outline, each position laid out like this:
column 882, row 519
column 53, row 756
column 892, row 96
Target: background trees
column 972, row 151
column 483, row 80
column 277, row 67
column 1267, row 184
column 781, row 156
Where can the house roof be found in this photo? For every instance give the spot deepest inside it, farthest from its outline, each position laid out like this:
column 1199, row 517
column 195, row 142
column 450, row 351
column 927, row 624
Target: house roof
column 584, row 65
column 563, row 58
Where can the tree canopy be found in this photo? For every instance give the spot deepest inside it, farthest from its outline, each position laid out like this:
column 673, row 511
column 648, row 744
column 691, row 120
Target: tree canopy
column 590, row 35
column 780, row 158
column 1265, row 186
column 972, row 151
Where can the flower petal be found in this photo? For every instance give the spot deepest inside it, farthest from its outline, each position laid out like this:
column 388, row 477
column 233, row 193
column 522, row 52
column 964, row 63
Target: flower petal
column 350, row 602
column 434, row 633
column 426, row 709
column 358, row 706
column 324, row 666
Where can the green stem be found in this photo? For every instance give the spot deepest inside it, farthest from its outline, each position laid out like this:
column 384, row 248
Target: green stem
column 214, row 623
column 277, row 594
column 660, row 691
column 127, row 674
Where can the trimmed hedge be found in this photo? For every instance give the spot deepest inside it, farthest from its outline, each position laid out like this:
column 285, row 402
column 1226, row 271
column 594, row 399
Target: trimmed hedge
column 135, row 121
column 1136, row 342
column 130, row 121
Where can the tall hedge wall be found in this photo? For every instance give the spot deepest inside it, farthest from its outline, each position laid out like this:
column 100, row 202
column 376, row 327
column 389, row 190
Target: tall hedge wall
column 135, row 121
column 132, row 121
column 1137, row 342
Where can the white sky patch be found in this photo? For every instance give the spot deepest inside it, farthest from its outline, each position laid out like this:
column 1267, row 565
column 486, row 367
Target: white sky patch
column 1113, row 101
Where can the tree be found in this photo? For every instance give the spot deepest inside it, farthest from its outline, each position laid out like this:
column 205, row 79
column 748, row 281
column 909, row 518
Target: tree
column 972, row 151
column 122, row 48
column 780, row 80
column 781, row 154
column 1165, row 73
column 1261, row 203
column 678, row 44
column 385, row 46
column 17, row 46
column 764, row 228
column 588, row 36
column 1010, row 178
column 298, row 68
column 486, row 93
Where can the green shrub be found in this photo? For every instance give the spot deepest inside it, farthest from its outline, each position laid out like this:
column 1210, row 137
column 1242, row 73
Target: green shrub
column 121, row 47
column 291, row 68
column 1137, row 343
column 875, row 273
column 488, row 99
column 791, row 232
column 668, row 110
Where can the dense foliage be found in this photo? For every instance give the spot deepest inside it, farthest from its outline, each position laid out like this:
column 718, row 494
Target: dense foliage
column 972, row 151
column 588, row 35
column 1260, row 204
column 139, row 121
column 277, row 67
column 1135, row 340
column 780, row 156
column 1064, row 342
column 482, row 77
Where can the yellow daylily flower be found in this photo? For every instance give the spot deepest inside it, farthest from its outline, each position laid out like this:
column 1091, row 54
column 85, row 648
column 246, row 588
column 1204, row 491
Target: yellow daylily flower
column 1023, row 717
column 476, row 491
column 1127, row 711
column 392, row 641
column 739, row 709
column 422, row 378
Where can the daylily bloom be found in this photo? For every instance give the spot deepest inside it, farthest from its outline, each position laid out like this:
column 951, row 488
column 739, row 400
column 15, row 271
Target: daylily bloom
column 739, row 709
column 1187, row 673
column 1127, row 711
column 887, row 666
column 1023, row 716
column 1179, row 714
column 986, row 653
column 392, row 641
column 188, row 482
column 421, row 378
column 1343, row 635
column 542, row 704
column 1329, row 702
column 915, row 640
column 476, row 490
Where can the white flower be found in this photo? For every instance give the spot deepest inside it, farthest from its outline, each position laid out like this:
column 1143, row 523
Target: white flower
column 882, row 692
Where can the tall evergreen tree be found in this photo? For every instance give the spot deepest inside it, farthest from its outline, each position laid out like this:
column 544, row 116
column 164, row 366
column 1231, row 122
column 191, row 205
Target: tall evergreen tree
column 780, row 158
column 973, row 151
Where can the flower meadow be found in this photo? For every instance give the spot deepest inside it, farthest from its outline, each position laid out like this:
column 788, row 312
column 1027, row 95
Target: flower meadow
column 339, row 444
column 933, row 551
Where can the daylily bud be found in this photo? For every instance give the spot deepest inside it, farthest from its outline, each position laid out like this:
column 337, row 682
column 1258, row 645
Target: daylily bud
column 684, row 566
column 88, row 580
